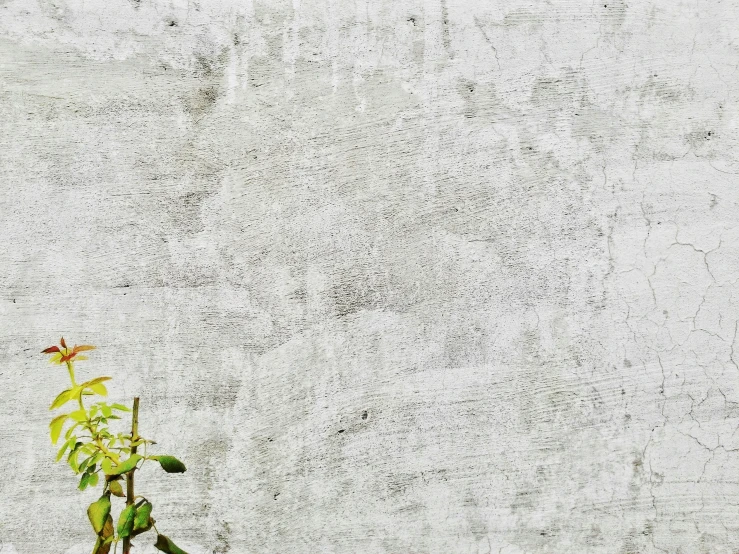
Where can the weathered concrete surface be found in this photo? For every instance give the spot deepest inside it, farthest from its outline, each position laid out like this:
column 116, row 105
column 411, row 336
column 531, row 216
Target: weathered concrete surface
column 425, row 276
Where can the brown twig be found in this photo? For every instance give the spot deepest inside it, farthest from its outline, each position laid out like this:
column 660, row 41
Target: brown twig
column 129, row 476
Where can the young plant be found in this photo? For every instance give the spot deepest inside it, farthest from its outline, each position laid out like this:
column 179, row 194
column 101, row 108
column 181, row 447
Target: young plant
column 98, row 454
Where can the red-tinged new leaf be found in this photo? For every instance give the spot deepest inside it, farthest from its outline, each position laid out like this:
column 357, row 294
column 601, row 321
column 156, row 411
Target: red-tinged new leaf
column 95, row 381
column 50, row 350
column 64, row 344
column 82, row 348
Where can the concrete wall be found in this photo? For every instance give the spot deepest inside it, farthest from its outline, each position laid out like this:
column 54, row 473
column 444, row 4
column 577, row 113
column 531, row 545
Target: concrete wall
column 419, row 276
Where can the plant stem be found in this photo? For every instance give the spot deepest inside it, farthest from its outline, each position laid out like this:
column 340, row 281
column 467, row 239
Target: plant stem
column 129, row 476
column 70, row 369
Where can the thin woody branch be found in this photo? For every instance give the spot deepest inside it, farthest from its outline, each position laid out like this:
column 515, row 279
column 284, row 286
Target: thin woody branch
column 130, row 492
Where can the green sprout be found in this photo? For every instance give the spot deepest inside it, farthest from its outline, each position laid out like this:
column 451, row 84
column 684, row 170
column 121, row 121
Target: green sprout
column 97, row 454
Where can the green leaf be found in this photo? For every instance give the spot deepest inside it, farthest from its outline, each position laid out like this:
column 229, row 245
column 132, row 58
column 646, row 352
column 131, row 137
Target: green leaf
column 116, row 488
column 72, row 458
column 166, row 545
column 89, row 463
column 69, row 442
column 86, row 462
column 98, row 513
column 99, row 388
column 79, row 415
column 170, row 464
column 142, row 521
column 127, row 465
column 84, row 481
column 93, row 382
column 61, row 399
column 66, row 396
column 92, row 481
column 102, row 546
column 55, row 427
column 120, row 407
column 107, row 466
column 125, row 521
column 107, row 411
column 72, row 428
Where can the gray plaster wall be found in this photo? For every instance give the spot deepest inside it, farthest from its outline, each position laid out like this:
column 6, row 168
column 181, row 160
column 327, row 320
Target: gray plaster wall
column 420, row 276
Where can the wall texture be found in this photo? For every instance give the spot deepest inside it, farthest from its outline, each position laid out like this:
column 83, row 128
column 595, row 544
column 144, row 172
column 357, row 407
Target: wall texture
column 419, row 276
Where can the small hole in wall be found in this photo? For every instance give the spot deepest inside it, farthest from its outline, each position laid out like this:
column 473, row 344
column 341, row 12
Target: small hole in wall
column 172, row 23
column 364, row 413
column 341, row 431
